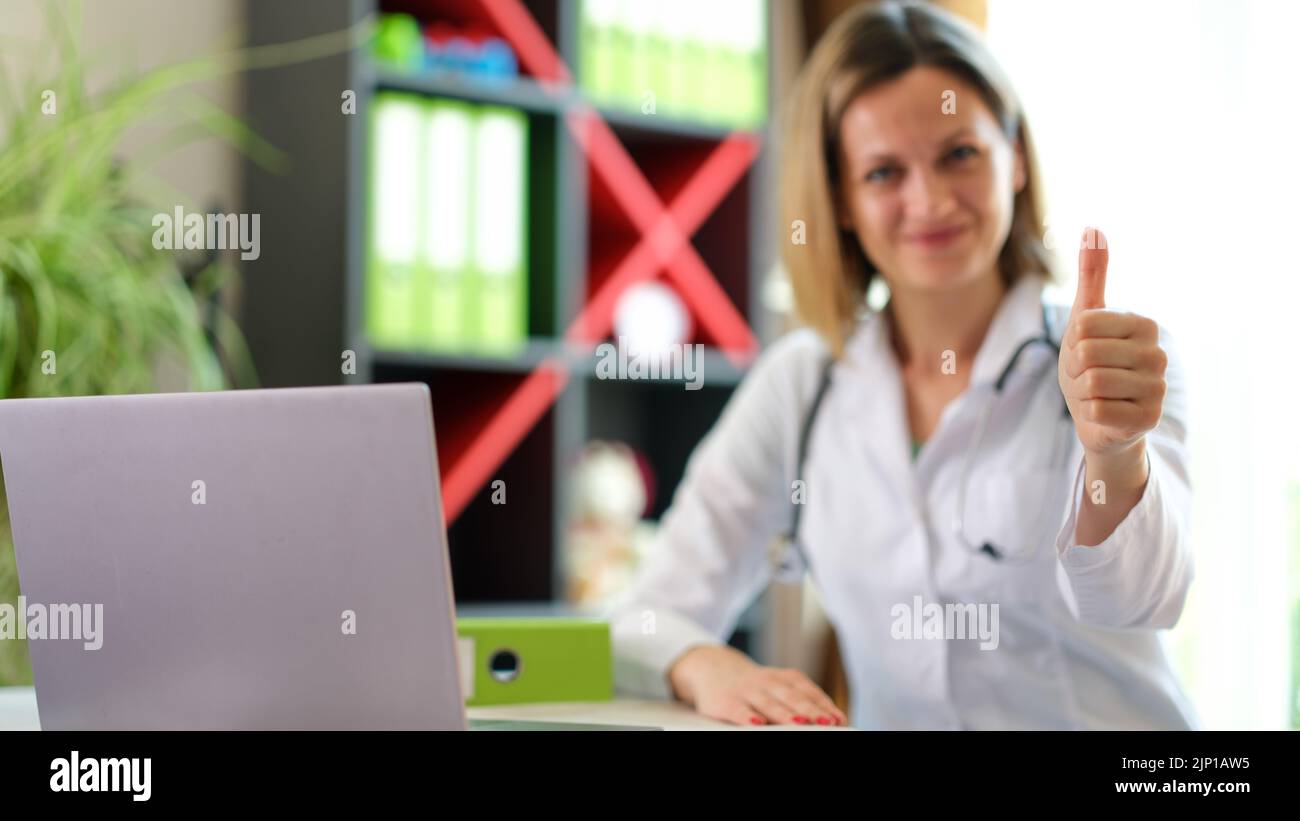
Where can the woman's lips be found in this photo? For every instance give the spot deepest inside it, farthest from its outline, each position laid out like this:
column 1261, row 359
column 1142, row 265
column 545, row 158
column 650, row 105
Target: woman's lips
column 937, row 239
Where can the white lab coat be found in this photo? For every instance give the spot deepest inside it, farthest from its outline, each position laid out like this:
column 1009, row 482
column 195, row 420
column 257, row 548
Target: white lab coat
column 1079, row 643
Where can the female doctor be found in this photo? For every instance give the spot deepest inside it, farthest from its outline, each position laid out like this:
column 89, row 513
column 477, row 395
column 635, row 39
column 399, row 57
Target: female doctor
column 966, row 459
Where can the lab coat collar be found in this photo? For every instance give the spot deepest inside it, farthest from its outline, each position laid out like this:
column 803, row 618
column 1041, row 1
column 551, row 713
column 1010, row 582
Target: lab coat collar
column 877, row 388
column 1019, row 317
column 874, row 397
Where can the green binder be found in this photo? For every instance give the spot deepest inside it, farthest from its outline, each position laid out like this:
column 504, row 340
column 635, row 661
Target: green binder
column 599, row 53
column 752, row 78
column 696, row 65
column 391, row 282
column 670, row 61
column 705, row 61
column 637, row 25
column 448, row 198
column 499, row 227
column 516, row 660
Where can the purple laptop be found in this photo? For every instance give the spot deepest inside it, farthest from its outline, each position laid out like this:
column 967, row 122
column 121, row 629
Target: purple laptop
column 262, row 559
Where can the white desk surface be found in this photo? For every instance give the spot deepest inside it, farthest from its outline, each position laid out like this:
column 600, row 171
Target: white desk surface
column 18, row 712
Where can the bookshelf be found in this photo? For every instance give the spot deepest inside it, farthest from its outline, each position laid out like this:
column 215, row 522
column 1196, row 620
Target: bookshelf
column 601, row 183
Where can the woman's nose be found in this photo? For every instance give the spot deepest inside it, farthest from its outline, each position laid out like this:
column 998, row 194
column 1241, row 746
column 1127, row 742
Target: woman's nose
column 925, row 193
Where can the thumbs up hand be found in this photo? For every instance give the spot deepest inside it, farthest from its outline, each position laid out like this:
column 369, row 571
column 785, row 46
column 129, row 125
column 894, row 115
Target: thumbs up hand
column 1111, row 367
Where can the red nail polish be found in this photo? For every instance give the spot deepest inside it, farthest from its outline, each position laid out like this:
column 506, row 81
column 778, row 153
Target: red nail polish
column 823, row 720
column 755, row 720
column 801, row 719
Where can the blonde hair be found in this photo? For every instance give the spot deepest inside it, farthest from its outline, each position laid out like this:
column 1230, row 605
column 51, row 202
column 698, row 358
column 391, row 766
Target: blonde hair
column 865, row 46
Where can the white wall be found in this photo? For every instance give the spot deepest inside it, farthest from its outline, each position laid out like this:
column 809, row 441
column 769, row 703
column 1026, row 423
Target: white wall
column 123, row 37
column 1172, row 126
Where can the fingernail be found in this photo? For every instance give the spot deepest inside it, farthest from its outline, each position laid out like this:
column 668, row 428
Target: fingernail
column 823, row 720
column 755, row 720
column 801, row 719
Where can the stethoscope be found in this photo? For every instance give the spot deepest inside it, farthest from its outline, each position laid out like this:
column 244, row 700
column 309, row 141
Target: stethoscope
column 789, row 560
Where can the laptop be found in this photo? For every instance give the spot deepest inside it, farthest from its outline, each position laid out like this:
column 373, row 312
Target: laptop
column 254, row 559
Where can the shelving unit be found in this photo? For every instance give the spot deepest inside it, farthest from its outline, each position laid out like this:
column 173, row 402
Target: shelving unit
column 600, row 182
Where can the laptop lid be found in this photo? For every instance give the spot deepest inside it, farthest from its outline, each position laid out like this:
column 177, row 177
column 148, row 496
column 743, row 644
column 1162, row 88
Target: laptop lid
column 265, row 559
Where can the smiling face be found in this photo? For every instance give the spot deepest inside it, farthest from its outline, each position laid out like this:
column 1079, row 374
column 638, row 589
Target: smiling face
column 929, row 195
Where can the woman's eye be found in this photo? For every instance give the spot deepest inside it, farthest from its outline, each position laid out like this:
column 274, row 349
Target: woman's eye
column 962, row 152
column 879, row 174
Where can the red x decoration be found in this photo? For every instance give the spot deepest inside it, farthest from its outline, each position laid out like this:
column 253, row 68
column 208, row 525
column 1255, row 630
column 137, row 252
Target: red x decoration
column 664, row 246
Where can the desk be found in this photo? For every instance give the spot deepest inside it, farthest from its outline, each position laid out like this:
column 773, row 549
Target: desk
column 18, row 712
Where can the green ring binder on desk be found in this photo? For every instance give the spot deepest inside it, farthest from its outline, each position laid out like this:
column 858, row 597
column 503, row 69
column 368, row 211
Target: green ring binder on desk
column 526, row 660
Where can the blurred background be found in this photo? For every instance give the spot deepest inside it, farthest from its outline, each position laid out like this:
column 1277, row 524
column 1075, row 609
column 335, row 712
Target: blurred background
column 475, row 194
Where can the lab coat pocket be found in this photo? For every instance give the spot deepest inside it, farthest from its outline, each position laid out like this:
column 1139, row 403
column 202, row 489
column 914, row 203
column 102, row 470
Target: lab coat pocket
column 1017, row 514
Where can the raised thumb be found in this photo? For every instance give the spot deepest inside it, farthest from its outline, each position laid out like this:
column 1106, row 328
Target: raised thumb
column 1093, row 258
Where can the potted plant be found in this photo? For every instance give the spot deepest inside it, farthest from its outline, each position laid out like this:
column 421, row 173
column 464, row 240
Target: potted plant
column 88, row 305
